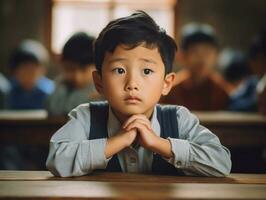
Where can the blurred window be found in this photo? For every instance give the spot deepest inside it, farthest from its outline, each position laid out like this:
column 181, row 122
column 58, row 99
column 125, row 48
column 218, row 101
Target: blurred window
column 70, row 16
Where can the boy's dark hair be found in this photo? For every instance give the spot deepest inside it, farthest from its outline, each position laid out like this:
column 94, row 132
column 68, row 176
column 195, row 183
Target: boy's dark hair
column 79, row 49
column 132, row 31
column 237, row 68
column 198, row 33
column 258, row 44
column 20, row 56
column 29, row 51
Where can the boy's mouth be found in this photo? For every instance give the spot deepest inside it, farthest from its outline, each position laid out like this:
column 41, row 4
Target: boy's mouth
column 132, row 99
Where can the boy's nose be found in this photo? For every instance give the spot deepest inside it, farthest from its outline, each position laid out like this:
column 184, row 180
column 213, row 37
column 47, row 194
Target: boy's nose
column 131, row 84
column 129, row 88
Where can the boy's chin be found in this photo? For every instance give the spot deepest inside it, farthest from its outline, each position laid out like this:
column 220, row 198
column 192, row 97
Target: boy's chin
column 132, row 112
column 129, row 111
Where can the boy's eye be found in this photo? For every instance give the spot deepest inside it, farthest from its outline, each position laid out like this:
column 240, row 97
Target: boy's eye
column 119, row 70
column 147, row 71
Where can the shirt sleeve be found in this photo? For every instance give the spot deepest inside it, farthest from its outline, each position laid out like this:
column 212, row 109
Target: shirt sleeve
column 71, row 153
column 198, row 151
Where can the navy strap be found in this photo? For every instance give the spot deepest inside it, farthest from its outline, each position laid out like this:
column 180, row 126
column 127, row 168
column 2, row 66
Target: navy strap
column 99, row 117
column 166, row 116
column 98, row 129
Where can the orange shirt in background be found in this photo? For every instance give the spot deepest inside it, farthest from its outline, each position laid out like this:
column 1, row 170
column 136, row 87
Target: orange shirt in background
column 206, row 94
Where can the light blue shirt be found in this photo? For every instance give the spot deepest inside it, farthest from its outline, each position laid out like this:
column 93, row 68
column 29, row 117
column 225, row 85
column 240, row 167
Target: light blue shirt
column 197, row 151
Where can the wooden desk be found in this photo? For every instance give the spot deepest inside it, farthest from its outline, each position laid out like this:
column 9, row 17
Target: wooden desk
column 42, row 185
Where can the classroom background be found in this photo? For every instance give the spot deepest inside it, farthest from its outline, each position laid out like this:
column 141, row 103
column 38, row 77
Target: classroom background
column 46, row 62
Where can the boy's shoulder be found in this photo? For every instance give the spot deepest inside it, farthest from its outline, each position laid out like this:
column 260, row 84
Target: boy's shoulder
column 84, row 110
column 175, row 120
column 177, row 109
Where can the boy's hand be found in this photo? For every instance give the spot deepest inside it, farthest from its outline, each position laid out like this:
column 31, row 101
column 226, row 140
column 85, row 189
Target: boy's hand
column 147, row 138
column 119, row 141
column 128, row 135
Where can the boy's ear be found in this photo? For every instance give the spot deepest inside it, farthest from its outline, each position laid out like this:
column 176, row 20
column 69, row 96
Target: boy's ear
column 168, row 83
column 97, row 79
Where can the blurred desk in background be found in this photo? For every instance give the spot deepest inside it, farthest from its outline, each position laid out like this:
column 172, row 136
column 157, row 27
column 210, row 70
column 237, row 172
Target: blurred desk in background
column 236, row 129
column 42, row 185
column 233, row 129
column 28, row 127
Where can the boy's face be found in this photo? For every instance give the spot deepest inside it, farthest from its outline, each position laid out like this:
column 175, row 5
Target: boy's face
column 76, row 75
column 27, row 74
column 201, row 57
column 133, row 80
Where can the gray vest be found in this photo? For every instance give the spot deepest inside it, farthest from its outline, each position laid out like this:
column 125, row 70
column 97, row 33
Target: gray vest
column 166, row 116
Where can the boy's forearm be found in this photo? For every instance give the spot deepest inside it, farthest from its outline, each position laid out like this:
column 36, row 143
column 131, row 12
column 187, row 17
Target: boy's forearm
column 115, row 144
column 162, row 146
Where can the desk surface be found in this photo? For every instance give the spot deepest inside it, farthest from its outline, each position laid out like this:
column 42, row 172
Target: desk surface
column 41, row 184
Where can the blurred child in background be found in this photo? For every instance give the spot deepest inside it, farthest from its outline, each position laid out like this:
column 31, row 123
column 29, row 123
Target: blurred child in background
column 258, row 66
column 29, row 87
column 198, row 87
column 243, row 84
column 75, row 85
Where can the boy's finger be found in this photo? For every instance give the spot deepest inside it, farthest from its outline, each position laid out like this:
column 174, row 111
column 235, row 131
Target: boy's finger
column 134, row 117
column 144, row 122
column 138, row 124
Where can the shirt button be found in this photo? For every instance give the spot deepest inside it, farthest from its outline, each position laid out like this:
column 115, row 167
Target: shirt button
column 132, row 160
column 178, row 164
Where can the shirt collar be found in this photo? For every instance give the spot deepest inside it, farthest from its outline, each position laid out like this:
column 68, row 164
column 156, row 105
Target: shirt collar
column 113, row 124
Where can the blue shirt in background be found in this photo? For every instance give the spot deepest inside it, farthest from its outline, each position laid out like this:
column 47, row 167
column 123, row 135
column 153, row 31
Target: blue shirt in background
column 19, row 98
column 244, row 99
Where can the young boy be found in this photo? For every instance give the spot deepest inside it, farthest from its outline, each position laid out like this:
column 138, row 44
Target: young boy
column 242, row 96
column 257, row 61
column 198, row 87
column 75, row 86
column 131, row 133
column 29, row 86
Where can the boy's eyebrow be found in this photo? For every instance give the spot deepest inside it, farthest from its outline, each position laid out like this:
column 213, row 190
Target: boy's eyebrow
column 148, row 60
column 123, row 59
column 117, row 60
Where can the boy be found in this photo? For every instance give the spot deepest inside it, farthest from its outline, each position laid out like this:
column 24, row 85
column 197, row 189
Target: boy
column 131, row 133
column 198, row 87
column 29, row 87
column 257, row 61
column 242, row 96
column 75, row 86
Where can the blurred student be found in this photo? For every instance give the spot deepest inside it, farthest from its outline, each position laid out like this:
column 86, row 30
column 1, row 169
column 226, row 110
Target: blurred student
column 28, row 89
column 4, row 89
column 243, row 84
column 29, row 86
column 258, row 66
column 75, row 85
column 198, row 87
